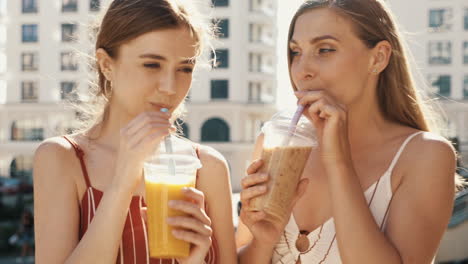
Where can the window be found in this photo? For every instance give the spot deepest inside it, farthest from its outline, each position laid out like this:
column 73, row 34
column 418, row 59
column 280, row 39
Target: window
column 223, row 25
column 466, row 18
column 465, row 88
column 219, row 89
column 29, row 61
column 29, row 33
column 27, row 130
column 465, row 52
column 260, row 33
column 256, row 62
column 260, row 92
column 69, row 32
column 255, row 91
column 67, row 91
column 215, row 130
column 440, row 52
column 29, row 92
column 222, row 58
column 255, row 32
column 94, row 5
column 441, row 85
column 262, row 6
column 68, row 62
column 440, row 19
column 69, row 5
column 2, row 8
column 218, row 3
column 29, row 6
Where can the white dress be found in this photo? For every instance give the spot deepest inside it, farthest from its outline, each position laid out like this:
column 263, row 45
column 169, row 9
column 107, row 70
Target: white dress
column 378, row 196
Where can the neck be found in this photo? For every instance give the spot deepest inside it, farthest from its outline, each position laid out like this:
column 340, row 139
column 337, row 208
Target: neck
column 366, row 125
column 107, row 133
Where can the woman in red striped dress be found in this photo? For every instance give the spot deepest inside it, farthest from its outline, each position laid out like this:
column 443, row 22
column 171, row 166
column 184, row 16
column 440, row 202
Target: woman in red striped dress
column 89, row 189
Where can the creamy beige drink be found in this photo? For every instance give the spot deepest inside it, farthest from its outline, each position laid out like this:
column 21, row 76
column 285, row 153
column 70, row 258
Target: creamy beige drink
column 284, row 166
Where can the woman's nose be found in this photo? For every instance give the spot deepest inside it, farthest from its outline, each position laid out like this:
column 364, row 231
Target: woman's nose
column 167, row 84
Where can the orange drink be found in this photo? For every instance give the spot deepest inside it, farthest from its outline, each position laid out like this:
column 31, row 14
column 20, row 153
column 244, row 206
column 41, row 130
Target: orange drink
column 162, row 187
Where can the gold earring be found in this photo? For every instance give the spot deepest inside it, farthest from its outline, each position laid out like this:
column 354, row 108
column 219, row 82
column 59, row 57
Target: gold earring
column 107, row 88
column 374, row 70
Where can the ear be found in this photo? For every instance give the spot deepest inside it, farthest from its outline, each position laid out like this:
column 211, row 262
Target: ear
column 381, row 55
column 106, row 63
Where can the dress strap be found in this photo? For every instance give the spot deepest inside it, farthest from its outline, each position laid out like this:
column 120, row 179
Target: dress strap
column 197, row 152
column 403, row 146
column 80, row 153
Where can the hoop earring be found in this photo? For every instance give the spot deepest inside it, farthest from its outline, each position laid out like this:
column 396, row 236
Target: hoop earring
column 107, row 88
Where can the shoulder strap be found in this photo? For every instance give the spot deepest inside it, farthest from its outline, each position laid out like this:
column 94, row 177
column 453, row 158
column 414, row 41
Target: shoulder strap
column 79, row 153
column 403, row 146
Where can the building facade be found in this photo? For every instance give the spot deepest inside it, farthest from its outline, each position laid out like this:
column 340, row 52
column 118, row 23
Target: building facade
column 438, row 38
column 42, row 48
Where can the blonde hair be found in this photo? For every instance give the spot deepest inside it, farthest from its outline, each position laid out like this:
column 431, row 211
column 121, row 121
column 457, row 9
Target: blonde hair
column 398, row 97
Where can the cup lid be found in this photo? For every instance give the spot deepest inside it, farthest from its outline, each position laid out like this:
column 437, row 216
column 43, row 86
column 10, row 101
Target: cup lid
column 182, row 162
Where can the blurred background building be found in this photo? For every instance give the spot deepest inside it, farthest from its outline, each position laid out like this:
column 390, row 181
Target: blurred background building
column 227, row 104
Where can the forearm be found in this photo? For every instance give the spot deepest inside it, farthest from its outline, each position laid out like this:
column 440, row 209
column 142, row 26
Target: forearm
column 255, row 253
column 360, row 239
column 102, row 239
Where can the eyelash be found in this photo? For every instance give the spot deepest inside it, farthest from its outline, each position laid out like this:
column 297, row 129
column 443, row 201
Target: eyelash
column 321, row 51
column 157, row 65
column 152, row 65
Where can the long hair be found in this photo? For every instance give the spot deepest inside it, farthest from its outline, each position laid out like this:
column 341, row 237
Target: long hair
column 123, row 21
column 398, row 98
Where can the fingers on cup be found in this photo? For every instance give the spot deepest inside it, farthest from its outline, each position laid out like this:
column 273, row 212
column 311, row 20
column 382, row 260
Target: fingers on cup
column 255, row 166
column 190, row 224
column 252, row 192
column 196, row 195
column 191, row 209
column 253, row 179
column 192, row 237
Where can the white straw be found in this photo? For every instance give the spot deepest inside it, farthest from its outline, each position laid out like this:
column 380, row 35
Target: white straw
column 293, row 124
column 168, row 145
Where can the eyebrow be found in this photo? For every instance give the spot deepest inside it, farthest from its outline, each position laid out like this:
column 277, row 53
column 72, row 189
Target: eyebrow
column 317, row 39
column 159, row 57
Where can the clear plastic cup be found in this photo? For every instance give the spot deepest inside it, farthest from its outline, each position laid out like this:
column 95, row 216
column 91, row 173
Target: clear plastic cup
column 285, row 154
column 161, row 187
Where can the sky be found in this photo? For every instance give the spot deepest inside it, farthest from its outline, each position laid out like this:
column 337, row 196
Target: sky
column 285, row 96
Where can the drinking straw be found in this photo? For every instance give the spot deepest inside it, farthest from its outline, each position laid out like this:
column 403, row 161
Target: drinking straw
column 293, row 124
column 169, row 150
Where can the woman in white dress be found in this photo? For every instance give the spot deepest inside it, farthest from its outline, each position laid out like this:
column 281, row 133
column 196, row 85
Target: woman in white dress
column 380, row 186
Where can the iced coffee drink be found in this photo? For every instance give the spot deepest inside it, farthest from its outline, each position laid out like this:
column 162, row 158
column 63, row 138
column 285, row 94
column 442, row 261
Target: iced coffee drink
column 284, row 156
column 285, row 166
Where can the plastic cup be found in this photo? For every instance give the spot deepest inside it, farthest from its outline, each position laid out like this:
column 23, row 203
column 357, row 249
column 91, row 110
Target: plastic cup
column 285, row 154
column 161, row 187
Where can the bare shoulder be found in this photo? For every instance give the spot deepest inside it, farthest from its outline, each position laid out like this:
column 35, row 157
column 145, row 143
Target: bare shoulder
column 55, row 147
column 428, row 154
column 53, row 158
column 430, row 146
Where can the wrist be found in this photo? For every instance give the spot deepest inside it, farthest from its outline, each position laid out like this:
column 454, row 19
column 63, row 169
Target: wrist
column 262, row 246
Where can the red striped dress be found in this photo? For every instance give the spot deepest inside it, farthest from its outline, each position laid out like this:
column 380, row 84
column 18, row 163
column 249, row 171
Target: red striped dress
column 134, row 244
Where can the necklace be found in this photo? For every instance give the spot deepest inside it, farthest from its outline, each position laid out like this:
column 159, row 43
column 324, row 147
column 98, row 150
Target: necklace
column 302, row 241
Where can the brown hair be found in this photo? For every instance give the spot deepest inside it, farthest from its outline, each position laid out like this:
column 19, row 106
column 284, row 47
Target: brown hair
column 398, row 98
column 123, row 21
